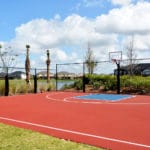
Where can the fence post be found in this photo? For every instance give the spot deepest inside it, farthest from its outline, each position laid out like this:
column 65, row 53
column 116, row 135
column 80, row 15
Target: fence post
column 6, row 83
column 83, row 79
column 56, row 78
column 118, row 78
column 35, row 82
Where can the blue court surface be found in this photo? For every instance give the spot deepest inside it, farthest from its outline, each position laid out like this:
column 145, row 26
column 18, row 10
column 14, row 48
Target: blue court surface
column 106, row 97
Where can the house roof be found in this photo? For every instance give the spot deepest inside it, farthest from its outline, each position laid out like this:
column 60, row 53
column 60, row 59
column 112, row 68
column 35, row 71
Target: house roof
column 139, row 67
column 17, row 73
column 2, row 74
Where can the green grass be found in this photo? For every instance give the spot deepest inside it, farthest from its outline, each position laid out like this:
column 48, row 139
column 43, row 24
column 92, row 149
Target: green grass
column 12, row 138
column 18, row 86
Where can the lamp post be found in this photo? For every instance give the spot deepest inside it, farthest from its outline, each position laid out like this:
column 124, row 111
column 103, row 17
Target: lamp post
column 48, row 66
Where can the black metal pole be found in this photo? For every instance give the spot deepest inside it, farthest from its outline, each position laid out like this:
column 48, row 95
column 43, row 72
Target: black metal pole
column 35, row 82
column 56, row 77
column 118, row 78
column 6, row 84
column 83, row 79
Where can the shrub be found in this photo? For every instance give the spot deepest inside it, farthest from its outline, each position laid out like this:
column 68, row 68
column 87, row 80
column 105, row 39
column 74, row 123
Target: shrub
column 78, row 84
column 129, row 84
column 50, row 86
column 96, row 85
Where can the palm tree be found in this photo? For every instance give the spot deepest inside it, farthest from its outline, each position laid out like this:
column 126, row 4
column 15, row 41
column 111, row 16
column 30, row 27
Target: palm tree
column 27, row 65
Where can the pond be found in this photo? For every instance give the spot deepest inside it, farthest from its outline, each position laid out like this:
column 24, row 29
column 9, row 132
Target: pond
column 60, row 84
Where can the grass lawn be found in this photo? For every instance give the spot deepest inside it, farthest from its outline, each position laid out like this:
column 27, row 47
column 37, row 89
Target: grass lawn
column 12, row 138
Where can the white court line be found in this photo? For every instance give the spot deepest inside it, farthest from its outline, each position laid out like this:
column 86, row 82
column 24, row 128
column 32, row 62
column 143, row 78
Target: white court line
column 90, row 102
column 66, row 100
column 76, row 132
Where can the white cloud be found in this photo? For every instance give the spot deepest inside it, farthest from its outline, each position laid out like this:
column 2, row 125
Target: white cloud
column 132, row 19
column 89, row 3
column 74, row 30
column 121, row 2
column 67, row 39
column 57, row 17
column 92, row 3
column 142, row 42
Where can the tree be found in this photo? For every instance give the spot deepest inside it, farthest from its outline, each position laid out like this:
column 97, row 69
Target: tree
column 90, row 60
column 131, row 55
column 7, row 58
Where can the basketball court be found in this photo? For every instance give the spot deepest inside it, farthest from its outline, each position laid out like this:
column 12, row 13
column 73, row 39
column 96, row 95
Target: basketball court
column 104, row 120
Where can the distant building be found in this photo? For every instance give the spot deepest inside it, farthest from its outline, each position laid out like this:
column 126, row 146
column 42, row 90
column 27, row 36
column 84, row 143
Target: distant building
column 146, row 72
column 60, row 75
column 14, row 75
column 17, row 75
column 2, row 75
column 66, row 75
column 137, row 69
column 43, row 75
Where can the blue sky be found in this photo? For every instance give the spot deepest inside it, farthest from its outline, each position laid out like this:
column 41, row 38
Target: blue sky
column 66, row 26
column 17, row 12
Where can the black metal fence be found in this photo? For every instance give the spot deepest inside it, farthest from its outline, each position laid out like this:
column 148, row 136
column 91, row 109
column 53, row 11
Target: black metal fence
column 13, row 81
column 121, row 77
column 69, row 77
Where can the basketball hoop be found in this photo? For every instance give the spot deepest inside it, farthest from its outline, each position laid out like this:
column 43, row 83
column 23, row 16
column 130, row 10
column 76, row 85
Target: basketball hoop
column 115, row 57
column 115, row 61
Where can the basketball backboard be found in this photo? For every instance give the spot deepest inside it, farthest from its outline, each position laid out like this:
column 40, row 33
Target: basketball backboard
column 115, row 56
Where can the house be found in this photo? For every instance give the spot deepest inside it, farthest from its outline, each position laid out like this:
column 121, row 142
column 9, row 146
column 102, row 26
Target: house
column 2, row 75
column 17, row 75
column 66, row 75
column 43, row 75
column 137, row 69
column 146, row 72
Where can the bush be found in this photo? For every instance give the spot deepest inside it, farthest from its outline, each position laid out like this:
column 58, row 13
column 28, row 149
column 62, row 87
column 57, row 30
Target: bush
column 107, row 81
column 136, row 84
column 78, row 84
column 50, row 86
column 96, row 85
column 128, row 84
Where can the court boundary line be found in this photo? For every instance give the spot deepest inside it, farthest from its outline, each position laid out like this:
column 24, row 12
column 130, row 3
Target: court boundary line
column 75, row 132
column 66, row 99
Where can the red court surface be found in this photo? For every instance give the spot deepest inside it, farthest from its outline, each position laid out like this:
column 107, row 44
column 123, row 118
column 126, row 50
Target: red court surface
column 121, row 125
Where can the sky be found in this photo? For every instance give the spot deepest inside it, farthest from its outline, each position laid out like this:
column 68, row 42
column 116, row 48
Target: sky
column 65, row 27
